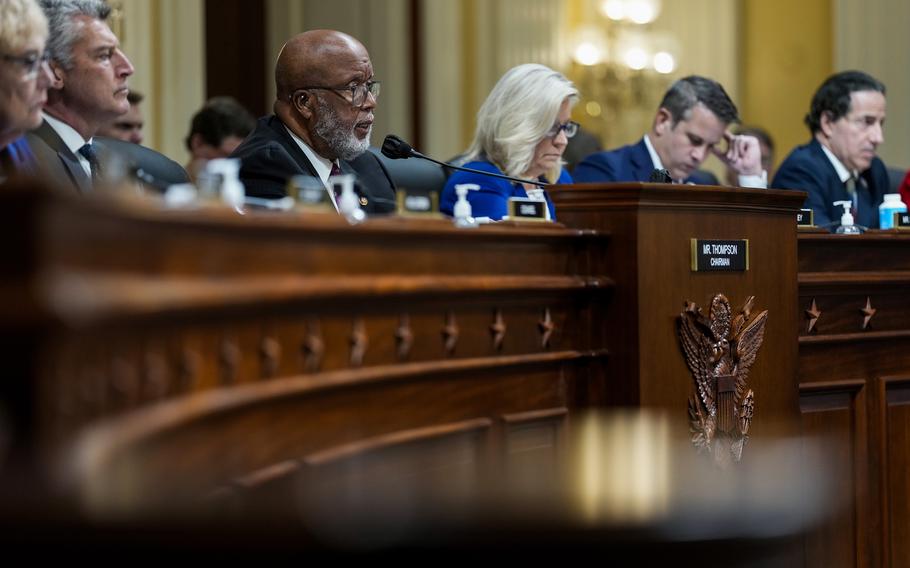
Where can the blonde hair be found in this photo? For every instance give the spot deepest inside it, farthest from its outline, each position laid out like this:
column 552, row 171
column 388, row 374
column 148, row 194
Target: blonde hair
column 20, row 22
column 519, row 111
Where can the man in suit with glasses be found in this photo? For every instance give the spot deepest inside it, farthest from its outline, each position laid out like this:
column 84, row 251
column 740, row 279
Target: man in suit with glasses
column 846, row 118
column 323, row 119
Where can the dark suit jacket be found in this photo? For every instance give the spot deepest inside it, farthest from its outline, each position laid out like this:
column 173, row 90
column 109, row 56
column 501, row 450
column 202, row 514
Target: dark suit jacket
column 59, row 163
column 629, row 163
column 270, row 157
column 55, row 160
column 809, row 169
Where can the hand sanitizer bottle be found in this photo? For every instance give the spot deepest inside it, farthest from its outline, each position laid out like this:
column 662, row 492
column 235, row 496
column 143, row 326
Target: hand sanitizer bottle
column 462, row 208
column 846, row 220
column 231, row 190
column 348, row 204
column 891, row 205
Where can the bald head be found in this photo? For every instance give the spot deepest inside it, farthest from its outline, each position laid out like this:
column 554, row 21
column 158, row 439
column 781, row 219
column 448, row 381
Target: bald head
column 314, row 57
column 319, row 76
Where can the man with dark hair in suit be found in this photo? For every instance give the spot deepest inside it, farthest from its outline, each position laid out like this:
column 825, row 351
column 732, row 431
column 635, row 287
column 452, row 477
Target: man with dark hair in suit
column 215, row 132
column 322, row 122
column 691, row 121
column 88, row 90
column 846, row 120
column 127, row 127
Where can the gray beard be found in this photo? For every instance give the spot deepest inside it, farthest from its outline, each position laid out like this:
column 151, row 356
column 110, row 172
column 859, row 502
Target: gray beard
column 337, row 136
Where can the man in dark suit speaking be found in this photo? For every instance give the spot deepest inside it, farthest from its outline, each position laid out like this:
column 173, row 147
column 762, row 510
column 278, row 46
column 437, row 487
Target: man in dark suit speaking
column 322, row 122
column 690, row 123
column 846, row 119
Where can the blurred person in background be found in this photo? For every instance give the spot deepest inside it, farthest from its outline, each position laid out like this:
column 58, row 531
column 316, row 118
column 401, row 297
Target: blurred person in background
column 215, row 131
column 765, row 144
column 127, row 127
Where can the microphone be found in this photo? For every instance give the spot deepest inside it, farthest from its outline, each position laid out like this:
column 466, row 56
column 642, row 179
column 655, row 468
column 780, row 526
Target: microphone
column 395, row 148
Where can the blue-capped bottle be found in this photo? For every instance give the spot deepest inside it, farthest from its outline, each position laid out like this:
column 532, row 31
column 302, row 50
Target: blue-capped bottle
column 891, row 205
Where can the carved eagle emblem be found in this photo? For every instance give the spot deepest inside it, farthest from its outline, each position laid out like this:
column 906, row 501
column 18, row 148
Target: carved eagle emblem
column 719, row 349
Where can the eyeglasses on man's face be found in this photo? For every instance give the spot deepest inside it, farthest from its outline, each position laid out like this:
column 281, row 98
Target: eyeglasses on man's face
column 358, row 93
column 570, row 128
column 31, row 62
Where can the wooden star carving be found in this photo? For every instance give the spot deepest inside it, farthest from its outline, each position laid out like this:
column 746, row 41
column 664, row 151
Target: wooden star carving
column 313, row 348
column 404, row 337
column 813, row 313
column 498, row 330
column 229, row 355
column 359, row 342
column 156, row 375
column 546, row 327
column 868, row 312
column 450, row 333
column 189, row 368
column 124, row 379
column 270, row 353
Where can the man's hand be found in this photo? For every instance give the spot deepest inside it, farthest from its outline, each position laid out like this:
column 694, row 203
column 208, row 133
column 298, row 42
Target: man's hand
column 743, row 154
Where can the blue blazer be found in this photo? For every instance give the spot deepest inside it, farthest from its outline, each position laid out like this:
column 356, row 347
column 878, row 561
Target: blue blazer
column 629, row 163
column 492, row 199
column 809, row 169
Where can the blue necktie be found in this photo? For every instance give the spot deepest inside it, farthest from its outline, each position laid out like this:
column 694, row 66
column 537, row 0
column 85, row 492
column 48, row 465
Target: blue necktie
column 88, row 152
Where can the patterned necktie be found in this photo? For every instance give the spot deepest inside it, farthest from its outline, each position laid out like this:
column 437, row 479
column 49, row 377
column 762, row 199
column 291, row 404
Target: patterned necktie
column 851, row 185
column 336, row 188
column 88, row 152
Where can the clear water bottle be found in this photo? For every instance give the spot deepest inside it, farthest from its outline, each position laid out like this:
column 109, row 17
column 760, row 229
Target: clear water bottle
column 891, row 205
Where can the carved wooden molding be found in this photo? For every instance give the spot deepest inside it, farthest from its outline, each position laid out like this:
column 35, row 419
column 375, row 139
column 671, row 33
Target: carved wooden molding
column 404, row 337
column 546, row 327
column 719, row 349
column 812, row 314
column 125, row 379
column 868, row 313
column 229, row 357
column 270, row 356
column 450, row 333
column 188, row 369
column 313, row 347
column 498, row 329
column 359, row 342
column 156, row 375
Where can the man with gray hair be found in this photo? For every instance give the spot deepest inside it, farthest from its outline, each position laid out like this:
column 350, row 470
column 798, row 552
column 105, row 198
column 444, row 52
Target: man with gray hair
column 88, row 89
column 691, row 121
column 322, row 122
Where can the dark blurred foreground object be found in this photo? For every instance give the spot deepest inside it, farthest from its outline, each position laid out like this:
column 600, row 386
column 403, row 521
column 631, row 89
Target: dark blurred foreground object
column 166, row 364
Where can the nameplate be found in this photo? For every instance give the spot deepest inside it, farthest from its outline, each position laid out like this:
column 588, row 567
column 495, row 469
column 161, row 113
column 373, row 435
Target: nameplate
column 805, row 218
column 309, row 192
column 417, row 202
column 902, row 221
column 720, row 255
column 523, row 209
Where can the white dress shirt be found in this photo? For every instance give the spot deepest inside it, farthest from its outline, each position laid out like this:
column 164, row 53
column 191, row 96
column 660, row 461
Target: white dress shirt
column 322, row 165
column 72, row 139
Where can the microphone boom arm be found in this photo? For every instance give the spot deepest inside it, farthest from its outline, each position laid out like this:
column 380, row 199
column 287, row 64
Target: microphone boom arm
column 417, row 154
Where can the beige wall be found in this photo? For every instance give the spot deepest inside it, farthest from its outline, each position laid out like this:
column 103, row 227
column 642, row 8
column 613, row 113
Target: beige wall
column 874, row 36
column 787, row 53
column 164, row 40
column 770, row 54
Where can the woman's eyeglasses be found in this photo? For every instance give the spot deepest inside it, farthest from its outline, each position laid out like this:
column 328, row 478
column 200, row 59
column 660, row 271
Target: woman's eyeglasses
column 570, row 128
